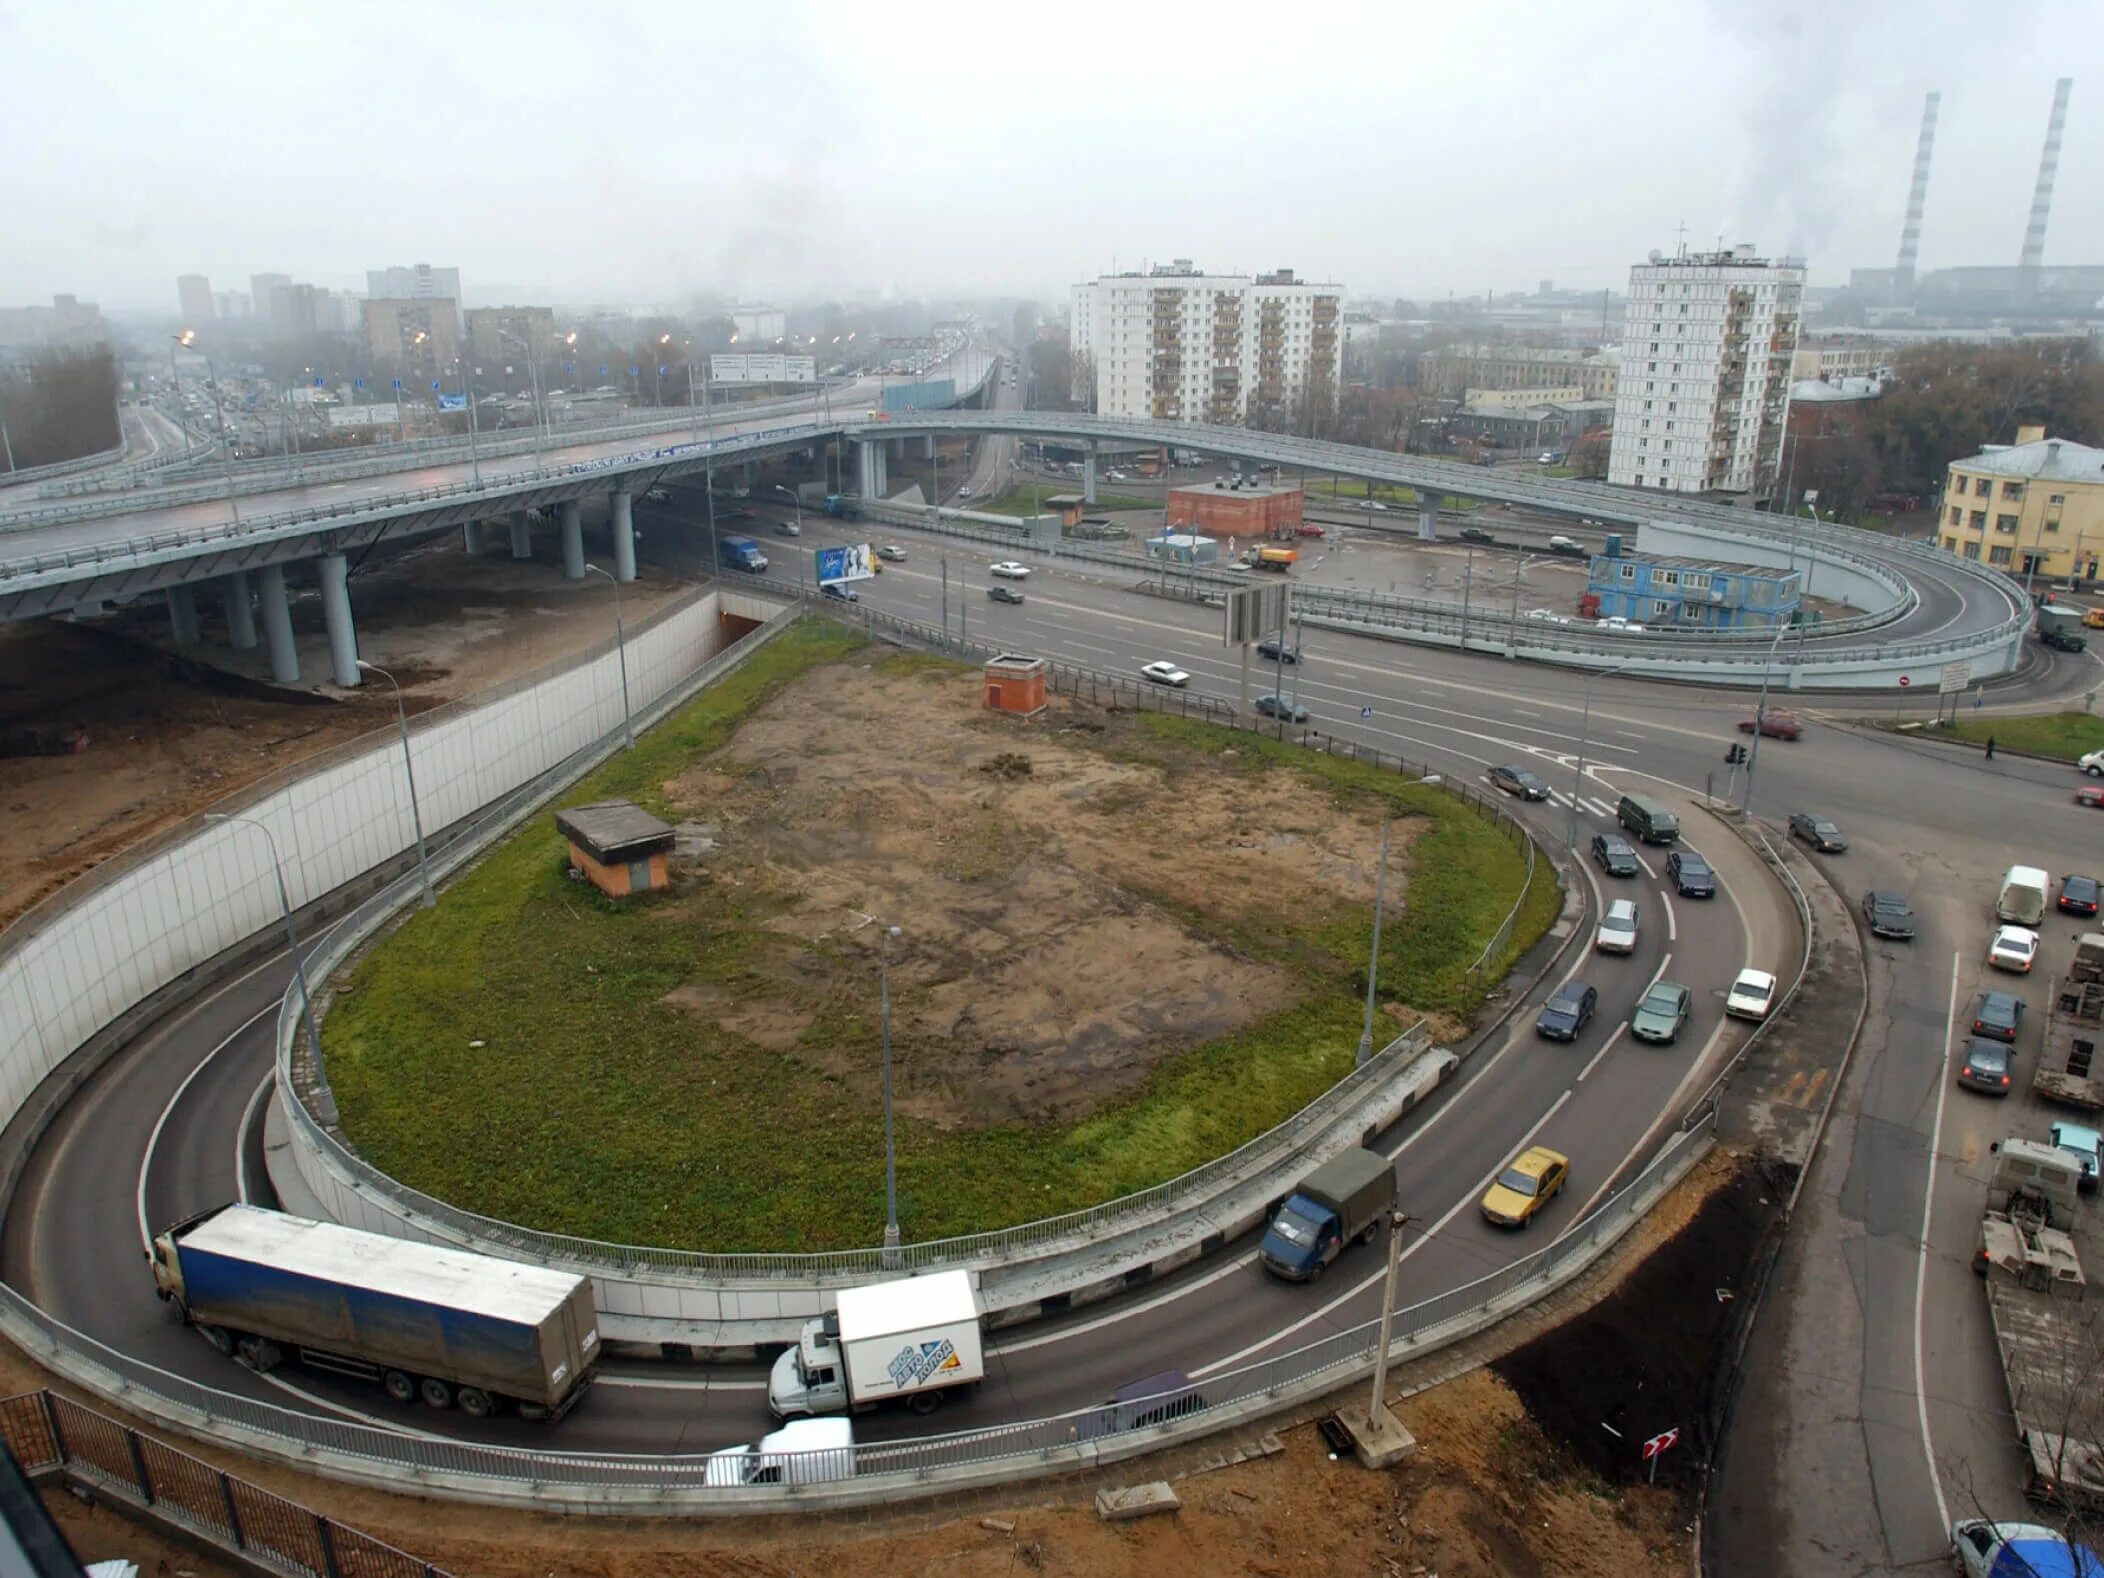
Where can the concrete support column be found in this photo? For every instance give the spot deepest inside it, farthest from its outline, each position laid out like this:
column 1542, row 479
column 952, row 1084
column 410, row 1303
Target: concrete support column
column 1427, row 514
column 929, row 452
column 182, row 615
column 882, row 466
column 897, row 449
column 624, row 537
column 521, row 536
column 240, row 619
column 572, row 521
column 1088, row 474
column 471, row 538
column 277, row 624
column 336, row 616
column 748, row 474
column 865, row 472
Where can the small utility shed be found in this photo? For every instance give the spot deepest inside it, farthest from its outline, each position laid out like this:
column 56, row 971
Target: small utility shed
column 617, row 844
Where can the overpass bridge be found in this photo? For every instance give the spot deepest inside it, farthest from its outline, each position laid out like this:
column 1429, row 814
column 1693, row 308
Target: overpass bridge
column 118, row 547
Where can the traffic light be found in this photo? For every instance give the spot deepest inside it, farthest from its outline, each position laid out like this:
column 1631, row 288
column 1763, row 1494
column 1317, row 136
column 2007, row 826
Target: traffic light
column 1735, row 755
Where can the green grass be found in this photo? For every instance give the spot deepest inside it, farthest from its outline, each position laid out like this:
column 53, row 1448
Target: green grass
column 2064, row 736
column 1387, row 492
column 593, row 1107
column 1018, row 503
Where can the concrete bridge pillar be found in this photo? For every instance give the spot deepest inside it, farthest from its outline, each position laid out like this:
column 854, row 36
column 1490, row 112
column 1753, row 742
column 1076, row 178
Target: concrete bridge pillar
column 1088, row 473
column 897, row 449
column 521, row 536
column 277, row 624
column 1427, row 514
column 624, row 537
column 240, row 618
column 471, row 539
column 571, row 518
column 336, row 617
column 748, row 476
column 871, row 480
column 929, row 452
column 182, row 614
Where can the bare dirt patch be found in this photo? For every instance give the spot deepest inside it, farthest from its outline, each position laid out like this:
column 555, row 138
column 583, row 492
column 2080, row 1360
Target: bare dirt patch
column 1044, row 887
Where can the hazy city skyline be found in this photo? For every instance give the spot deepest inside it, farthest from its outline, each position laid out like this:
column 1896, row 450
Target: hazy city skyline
column 655, row 154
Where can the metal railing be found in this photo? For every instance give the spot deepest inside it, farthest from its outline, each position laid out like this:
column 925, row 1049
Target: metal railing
column 1065, row 1440
column 49, row 1434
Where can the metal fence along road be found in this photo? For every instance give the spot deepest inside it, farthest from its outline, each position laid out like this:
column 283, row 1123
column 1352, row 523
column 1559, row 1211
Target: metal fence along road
column 53, row 1436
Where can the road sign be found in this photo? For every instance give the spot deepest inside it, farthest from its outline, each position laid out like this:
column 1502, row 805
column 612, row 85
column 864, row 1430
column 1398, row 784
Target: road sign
column 851, row 563
column 1956, row 676
column 1904, row 682
column 1252, row 612
column 1659, row 1443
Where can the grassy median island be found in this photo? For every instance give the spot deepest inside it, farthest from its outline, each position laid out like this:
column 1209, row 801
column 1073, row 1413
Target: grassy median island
column 2063, row 736
column 1128, row 943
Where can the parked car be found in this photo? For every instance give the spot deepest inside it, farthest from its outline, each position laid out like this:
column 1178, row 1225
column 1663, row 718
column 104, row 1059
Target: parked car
column 2078, row 896
column 840, row 593
column 1165, row 673
column 1818, row 831
column 1567, row 1012
column 2086, row 1145
column 893, row 552
column 1615, row 855
column 1690, row 875
column 1271, row 651
column 1661, row 1013
column 1617, row 930
column 1985, row 1066
column 1476, row 534
column 1888, row 915
column 1519, row 781
column 1271, row 706
column 1751, row 995
column 1997, row 1015
column 1308, row 529
column 1569, row 547
column 1009, row 570
column 1002, row 593
column 1534, row 1178
column 1773, row 726
column 2013, row 948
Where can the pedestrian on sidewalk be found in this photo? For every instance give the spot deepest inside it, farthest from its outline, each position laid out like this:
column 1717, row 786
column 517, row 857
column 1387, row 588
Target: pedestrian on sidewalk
column 1990, row 747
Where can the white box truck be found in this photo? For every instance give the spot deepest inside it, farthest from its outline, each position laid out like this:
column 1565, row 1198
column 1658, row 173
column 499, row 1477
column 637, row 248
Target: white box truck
column 913, row 1341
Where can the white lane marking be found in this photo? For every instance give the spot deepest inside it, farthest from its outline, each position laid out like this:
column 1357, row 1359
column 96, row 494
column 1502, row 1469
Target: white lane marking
column 1640, row 860
column 1665, row 960
column 1921, row 1263
column 248, row 1114
column 393, row 1425
column 153, row 1139
column 1432, row 1232
column 1604, row 1046
column 1672, row 921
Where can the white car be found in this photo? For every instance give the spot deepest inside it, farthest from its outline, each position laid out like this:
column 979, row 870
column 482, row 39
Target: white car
column 1617, row 933
column 1751, row 995
column 1621, row 626
column 1375, row 504
column 2013, row 948
column 2093, row 764
column 892, row 553
column 1549, row 614
column 1562, row 544
column 1166, row 673
column 1009, row 570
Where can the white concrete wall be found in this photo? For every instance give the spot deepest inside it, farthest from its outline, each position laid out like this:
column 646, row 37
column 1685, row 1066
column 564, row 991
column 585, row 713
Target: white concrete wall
column 1846, row 580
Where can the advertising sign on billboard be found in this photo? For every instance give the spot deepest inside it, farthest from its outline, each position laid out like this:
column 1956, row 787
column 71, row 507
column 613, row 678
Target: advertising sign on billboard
column 852, row 563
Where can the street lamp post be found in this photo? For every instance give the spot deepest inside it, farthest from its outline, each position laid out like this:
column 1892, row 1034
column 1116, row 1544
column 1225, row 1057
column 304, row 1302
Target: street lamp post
column 1512, row 628
column 1585, row 734
column 1373, row 958
column 891, row 1177
column 416, row 811
column 292, row 936
column 797, row 499
column 467, row 388
column 1760, row 718
column 533, row 382
column 188, row 340
column 628, row 725
column 176, row 391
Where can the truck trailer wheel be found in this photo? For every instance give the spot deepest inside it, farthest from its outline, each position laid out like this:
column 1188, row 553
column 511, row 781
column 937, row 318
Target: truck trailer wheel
column 436, row 1393
column 399, row 1386
column 476, row 1403
column 924, row 1403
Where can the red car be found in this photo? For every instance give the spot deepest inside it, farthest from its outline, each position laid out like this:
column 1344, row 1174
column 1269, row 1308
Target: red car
column 2090, row 797
column 1774, row 725
column 1309, row 529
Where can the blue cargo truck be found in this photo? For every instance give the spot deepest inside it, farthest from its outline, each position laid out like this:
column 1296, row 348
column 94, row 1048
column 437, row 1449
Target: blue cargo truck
column 421, row 1320
column 742, row 553
column 1338, row 1203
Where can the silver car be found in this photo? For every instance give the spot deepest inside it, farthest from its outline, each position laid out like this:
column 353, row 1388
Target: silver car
column 1617, row 933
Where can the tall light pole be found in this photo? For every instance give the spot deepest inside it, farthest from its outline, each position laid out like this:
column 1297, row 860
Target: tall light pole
column 188, row 341
column 628, row 725
column 1585, row 734
column 292, row 936
column 1760, row 718
column 891, row 1177
column 467, row 388
column 175, row 379
column 1373, row 958
column 1512, row 628
column 416, row 810
column 797, row 499
column 533, row 382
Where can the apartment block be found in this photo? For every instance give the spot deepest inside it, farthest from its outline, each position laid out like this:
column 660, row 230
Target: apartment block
column 194, row 292
column 415, row 341
column 1451, row 373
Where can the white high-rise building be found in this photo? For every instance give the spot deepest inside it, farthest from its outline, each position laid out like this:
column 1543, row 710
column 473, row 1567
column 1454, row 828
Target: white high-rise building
column 421, row 282
column 1176, row 345
column 1704, row 391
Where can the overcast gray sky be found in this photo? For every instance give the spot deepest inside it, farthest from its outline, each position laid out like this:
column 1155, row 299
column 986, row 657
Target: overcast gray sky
column 636, row 152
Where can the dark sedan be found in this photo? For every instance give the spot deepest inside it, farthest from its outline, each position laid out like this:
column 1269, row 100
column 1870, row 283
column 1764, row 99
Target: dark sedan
column 1565, row 1015
column 1998, row 1015
column 1888, row 915
column 1616, row 858
column 1519, row 781
column 1271, row 652
column 2078, row 896
column 1002, row 592
column 1817, row 831
column 1690, row 875
column 1281, row 707
column 1985, row 1066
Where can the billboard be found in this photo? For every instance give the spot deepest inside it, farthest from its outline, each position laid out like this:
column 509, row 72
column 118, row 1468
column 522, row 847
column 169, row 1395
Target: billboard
column 852, row 563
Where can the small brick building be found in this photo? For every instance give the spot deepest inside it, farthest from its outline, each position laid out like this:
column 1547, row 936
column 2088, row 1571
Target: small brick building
column 1238, row 512
column 618, row 845
column 1016, row 684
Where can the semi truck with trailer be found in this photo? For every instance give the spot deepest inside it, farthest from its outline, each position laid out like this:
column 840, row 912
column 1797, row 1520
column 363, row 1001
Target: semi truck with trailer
column 912, row 1341
column 420, row 1320
column 1339, row 1203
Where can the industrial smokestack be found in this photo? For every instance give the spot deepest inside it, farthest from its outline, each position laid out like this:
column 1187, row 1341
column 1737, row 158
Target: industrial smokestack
column 1917, row 197
column 2048, row 166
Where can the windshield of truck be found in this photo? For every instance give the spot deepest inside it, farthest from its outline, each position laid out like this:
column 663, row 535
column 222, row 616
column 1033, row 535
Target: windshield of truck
column 1295, row 1228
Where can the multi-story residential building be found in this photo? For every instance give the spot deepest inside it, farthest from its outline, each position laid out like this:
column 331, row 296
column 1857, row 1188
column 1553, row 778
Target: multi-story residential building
column 1177, row 345
column 1450, row 372
column 263, row 294
column 1831, row 358
column 2035, row 507
column 1704, row 390
column 498, row 341
column 415, row 341
column 419, row 282
column 194, row 291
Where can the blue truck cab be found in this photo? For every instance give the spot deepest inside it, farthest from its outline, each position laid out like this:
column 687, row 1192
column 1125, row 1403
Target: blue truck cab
column 1343, row 1200
column 742, row 553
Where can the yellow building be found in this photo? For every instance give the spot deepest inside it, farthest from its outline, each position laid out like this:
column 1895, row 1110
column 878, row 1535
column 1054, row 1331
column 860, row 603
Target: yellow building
column 2032, row 507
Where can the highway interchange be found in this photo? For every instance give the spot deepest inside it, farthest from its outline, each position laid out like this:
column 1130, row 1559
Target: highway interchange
column 170, row 1126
